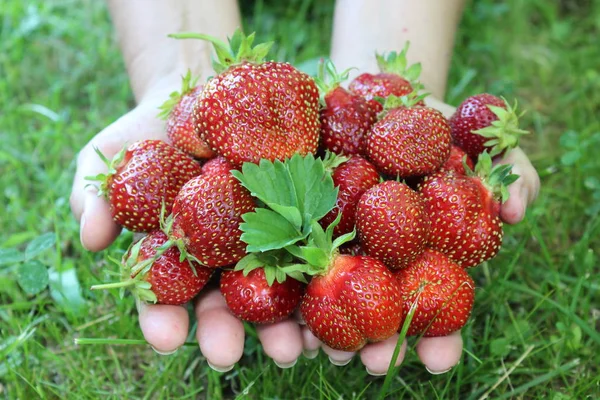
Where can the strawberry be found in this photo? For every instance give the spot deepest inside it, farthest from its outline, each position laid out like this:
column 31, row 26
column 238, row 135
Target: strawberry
column 395, row 78
column 141, row 178
column 392, row 223
column 409, row 141
column 486, row 123
column 353, row 177
column 206, row 217
column 455, row 160
column 255, row 110
column 217, row 165
column 250, row 297
column 352, row 248
column 346, row 117
column 158, row 275
column 443, row 291
column 181, row 126
column 464, row 211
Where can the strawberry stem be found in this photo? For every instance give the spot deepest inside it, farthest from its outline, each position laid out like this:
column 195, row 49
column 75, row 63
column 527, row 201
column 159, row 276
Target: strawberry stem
column 114, row 285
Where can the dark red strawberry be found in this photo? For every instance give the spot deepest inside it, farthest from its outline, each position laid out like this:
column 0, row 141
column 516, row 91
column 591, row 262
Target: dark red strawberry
column 443, row 291
column 159, row 276
column 353, row 178
column 181, row 126
column 346, row 117
column 396, row 78
column 356, row 301
column 353, row 249
column 253, row 109
column 392, row 223
column 409, row 141
column 251, row 298
column 464, row 211
column 486, row 123
column 141, row 178
column 206, row 217
column 455, row 160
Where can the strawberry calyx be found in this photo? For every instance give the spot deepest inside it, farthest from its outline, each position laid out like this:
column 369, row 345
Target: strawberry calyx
column 104, row 178
column 238, row 49
column 328, row 78
column 187, row 85
column 496, row 179
column 392, row 102
column 397, row 63
column 504, row 133
column 277, row 265
column 332, row 160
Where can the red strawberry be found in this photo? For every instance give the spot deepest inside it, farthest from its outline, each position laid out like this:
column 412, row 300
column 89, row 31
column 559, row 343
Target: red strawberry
column 353, row 249
column 443, row 291
column 392, row 223
column 143, row 177
column 464, row 211
column 346, row 117
column 217, row 165
column 160, row 278
column 356, row 301
column 181, row 126
column 486, row 123
column 409, row 141
column 252, row 299
column 353, row 178
column 252, row 109
column 455, row 160
column 206, row 217
column 395, row 78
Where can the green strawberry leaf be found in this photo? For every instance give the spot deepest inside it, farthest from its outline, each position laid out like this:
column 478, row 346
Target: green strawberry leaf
column 32, row 277
column 265, row 230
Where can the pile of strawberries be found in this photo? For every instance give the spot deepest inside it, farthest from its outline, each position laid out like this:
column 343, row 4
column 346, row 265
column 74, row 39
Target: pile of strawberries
column 361, row 208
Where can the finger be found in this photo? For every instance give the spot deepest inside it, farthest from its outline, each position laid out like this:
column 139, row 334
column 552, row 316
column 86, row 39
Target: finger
column 220, row 334
column 310, row 343
column 440, row 354
column 338, row 357
column 282, row 341
column 97, row 229
column 165, row 327
column 376, row 357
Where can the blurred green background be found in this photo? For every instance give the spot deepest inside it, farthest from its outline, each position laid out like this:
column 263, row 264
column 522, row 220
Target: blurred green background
column 534, row 330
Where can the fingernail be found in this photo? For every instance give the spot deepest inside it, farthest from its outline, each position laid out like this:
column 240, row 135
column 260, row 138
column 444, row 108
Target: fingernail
column 286, row 365
column 437, row 372
column 164, row 353
column 81, row 228
column 339, row 363
column 310, row 354
column 219, row 369
column 375, row 373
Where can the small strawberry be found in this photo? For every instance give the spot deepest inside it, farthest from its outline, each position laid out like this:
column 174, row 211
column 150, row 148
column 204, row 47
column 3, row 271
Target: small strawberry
column 443, row 291
column 395, row 78
column 181, row 126
column 140, row 179
column 353, row 177
column 217, row 165
column 250, row 296
column 455, row 160
column 157, row 274
column 352, row 248
column 392, row 223
column 346, row 117
column 206, row 216
column 255, row 110
column 409, row 141
column 464, row 211
column 486, row 123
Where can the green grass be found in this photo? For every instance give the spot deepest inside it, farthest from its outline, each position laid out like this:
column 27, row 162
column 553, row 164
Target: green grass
column 534, row 330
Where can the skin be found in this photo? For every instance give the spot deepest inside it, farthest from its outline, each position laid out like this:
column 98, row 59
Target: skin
column 155, row 65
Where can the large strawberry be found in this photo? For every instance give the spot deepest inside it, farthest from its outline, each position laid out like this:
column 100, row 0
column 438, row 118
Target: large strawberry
column 251, row 297
column 181, row 125
column 457, row 159
column 159, row 275
column 464, row 211
column 486, row 123
column 345, row 117
column 442, row 290
column 395, row 78
column 409, row 140
column 141, row 179
column 255, row 110
column 392, row 223
column 353, row 177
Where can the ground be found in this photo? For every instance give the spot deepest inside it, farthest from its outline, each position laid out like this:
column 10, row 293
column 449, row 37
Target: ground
column 534, row 330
